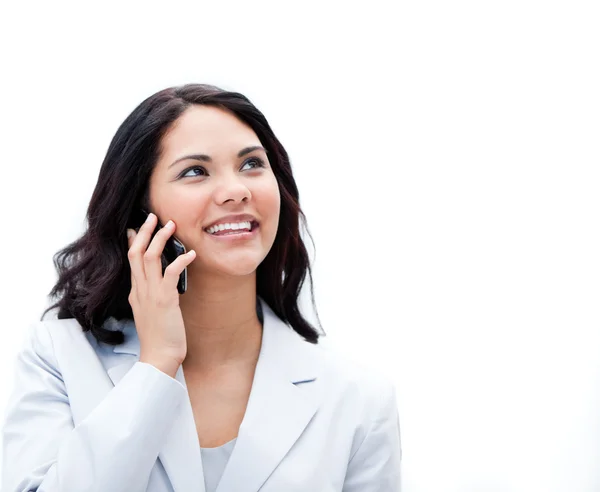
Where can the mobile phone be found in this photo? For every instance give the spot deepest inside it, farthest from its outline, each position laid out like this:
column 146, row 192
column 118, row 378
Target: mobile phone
column 173, row 248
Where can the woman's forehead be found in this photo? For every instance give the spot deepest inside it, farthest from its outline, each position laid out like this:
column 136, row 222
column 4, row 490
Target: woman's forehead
column 207, row 130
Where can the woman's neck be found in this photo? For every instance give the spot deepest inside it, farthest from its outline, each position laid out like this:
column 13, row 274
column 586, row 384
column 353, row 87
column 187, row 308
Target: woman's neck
column 221, row 323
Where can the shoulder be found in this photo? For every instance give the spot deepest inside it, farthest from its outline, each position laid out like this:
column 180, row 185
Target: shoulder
column 47, row 332
column 366, row 388
column 55, row 338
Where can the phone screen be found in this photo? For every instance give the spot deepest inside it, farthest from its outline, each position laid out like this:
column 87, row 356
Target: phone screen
column 173, row 248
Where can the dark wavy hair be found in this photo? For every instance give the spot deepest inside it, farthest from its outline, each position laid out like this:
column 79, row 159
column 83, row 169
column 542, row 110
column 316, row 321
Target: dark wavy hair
column 94, row 279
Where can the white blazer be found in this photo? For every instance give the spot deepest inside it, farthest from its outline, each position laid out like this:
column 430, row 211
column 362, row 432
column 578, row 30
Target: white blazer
column 85, row 416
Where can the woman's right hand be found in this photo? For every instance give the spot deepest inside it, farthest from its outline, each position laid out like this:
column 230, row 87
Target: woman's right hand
column 154, row 299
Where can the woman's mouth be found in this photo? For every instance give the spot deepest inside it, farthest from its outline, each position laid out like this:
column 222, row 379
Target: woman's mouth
column 235, row 231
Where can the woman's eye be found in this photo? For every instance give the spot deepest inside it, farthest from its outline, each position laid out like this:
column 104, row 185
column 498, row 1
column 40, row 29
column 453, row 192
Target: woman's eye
column 197, row 171
column 257, row 163
column 195, row 168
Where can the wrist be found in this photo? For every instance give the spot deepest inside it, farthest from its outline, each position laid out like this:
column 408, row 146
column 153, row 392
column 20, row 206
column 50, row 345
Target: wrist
column 166, row 364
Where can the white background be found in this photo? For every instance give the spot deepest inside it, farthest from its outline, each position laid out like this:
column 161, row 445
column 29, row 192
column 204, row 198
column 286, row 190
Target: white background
column 447, row 158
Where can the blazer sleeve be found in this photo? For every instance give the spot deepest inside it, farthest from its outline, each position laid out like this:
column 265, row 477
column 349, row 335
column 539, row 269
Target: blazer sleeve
column 114, row 448
column 375, row 466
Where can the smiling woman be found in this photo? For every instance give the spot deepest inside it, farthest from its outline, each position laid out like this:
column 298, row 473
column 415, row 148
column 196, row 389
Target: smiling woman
column 143, row 382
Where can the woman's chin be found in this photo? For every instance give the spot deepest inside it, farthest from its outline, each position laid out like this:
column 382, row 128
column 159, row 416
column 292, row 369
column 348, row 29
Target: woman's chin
column 236, row 268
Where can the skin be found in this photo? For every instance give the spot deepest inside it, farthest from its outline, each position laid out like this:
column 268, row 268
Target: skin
column 219, row 307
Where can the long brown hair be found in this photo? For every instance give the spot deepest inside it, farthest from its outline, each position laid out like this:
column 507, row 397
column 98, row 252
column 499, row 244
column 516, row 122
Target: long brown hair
column 94, row 273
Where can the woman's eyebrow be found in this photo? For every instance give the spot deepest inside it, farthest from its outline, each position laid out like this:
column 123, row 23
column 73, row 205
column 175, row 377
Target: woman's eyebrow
column 207, row 158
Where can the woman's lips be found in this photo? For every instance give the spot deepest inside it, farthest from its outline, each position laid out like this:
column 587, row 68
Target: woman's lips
column 235, row 235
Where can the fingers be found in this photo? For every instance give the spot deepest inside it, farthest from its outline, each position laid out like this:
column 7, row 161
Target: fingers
column 130, row 237
column 137, row 248
column 145, row 261
column 152, row 263
column 173, row 271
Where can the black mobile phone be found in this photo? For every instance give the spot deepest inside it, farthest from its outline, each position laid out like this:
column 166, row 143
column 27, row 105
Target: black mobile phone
column 173, row 248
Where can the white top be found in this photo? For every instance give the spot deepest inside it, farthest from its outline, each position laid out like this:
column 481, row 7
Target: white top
column 315, row 421
column 213, row 463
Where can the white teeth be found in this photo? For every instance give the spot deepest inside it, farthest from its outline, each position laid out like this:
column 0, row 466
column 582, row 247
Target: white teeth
column 229, row 226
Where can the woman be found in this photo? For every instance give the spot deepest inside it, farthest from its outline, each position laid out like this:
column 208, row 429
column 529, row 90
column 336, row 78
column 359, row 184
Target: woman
column 137, row 386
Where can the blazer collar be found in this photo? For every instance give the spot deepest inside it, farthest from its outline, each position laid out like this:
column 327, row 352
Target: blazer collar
column 277, row 413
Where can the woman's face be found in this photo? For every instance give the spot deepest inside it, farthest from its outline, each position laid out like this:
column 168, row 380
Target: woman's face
column 212, row 166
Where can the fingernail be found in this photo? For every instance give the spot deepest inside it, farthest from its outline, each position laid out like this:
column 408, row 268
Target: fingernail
column 129, row 233
column 149, row 217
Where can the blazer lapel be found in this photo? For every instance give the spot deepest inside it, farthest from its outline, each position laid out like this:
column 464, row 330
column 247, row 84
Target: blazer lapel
column 180, row 454
column 278, row 411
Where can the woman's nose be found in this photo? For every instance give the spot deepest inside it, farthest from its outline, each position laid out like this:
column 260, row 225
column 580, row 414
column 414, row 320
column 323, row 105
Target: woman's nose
column 232, row 189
